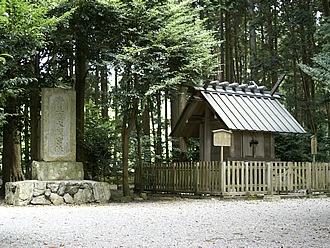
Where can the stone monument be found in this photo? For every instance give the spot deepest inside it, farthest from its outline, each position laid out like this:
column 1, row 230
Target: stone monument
column 57, row 178
column 58, row 137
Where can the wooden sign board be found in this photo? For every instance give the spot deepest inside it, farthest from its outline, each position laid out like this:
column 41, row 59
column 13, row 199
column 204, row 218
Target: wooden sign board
column 222, row 137
column 313, row 145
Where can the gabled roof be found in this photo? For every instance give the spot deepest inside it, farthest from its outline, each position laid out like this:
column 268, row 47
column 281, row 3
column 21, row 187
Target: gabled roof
column 239, row 107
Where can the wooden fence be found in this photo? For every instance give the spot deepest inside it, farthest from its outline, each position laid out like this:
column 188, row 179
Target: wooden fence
column 234, row 177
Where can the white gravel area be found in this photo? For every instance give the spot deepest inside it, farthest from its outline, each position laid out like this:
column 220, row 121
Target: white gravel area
column 170, row 223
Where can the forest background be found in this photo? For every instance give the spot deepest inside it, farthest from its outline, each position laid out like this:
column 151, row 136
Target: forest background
column 131, row 63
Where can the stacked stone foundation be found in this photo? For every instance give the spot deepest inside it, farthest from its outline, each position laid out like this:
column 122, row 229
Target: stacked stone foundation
column 56, row 192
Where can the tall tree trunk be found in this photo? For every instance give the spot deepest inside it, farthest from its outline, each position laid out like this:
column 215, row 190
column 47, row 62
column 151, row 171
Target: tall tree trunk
column 116, row 145
column 307, row 46
column 310, row 106
column 96, row 95
column 128, row 124
column 326, row 7
column 328, row 116
column 139, row 138
column 253, row 45
column 271, row 25
column 183, row 140
column 174, row 109
column 153, row 128
column 35, row 107
column 178, row 102
column 167, row 150
column 125, row 149
column 11, row 157
column 201, row 12
column 81, row 72
column 146, row 131
column 174, row 119
column 159, row 130
column 116, row 88
column 228, row 59
column 263, row 47
column 104, row 92
column 246, row 50
column 222, row 52
column 26, row 151
column 236, row 67
column 295, row 87
column 34, row 122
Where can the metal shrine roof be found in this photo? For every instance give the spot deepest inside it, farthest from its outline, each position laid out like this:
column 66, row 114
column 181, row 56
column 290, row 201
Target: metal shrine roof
column 243, row 107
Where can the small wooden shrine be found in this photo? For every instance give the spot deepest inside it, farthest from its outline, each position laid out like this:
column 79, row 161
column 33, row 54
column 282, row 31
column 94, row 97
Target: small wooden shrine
column 251, row 113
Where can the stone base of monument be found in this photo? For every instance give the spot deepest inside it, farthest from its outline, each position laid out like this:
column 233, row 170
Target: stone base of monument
column 57, row 170
column 56, row 192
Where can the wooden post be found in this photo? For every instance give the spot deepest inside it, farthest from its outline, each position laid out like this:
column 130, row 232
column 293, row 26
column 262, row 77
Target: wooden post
column 246, row 165
column 309, row 177
column 141, row 178
column 221, row 153
column 269, row 179
column 195, row 175
column 314, row 176
column 314, row 152
column 173, row 177
column 223, row 177
column 327, row 177
column 154, row 177
column 290, row 177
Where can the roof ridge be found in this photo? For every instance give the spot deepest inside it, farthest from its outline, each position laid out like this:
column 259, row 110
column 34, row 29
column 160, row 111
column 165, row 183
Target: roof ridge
column 252, row 90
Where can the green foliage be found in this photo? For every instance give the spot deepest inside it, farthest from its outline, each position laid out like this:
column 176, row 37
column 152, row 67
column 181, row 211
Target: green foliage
column 181, row 47
column 192, row 153
column 91, row 23
column 15, row 37
column 22, row 32
column 101, row 138
column 323, row 146
column 164, row 45
column 320, row 71
column 291, row 147
column 22, row 27
column 3, row 57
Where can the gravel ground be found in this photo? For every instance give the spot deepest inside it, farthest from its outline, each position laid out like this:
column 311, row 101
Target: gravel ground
column 170, row 223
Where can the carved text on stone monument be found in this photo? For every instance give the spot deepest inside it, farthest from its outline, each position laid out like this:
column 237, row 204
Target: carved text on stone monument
column 59, row 126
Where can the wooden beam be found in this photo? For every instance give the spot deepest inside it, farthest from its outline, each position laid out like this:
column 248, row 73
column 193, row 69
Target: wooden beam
column 279, row 81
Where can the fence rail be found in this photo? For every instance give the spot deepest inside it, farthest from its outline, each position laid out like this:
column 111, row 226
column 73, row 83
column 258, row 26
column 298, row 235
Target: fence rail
column 234, row 177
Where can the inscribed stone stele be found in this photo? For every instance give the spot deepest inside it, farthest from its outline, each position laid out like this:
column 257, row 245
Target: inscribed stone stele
column 58, row 125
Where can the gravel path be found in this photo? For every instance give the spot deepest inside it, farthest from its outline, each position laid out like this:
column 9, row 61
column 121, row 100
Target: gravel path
column 171, row 223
